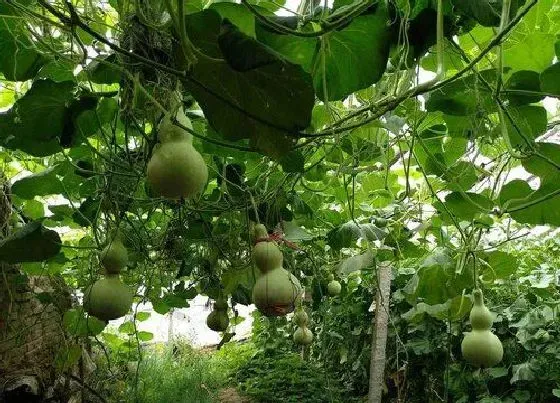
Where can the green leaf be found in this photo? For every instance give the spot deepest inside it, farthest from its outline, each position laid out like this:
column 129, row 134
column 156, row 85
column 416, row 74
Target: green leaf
column 456, row 98
column 529, row 122
column 102, row 71
column 502, row 265
column 34, row 209
column 293, row 162
column 463, row 208
column 127, row 328
column 145, row 336
column 533, row 51
column 237, row 14
column 20, row 59
column 485, row 12
column 550, row 79
column 142, row 316
column 40, row 184
column 355, row 57
column 32, row 243
column 77, row 324
column 520, row 86
column 24, row 128
column 57, row 71
column 518, row 194
column 294, row 233
column 67, row 357
column 268, row 103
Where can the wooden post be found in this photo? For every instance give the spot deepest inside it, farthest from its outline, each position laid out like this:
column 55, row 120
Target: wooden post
column 379, row 336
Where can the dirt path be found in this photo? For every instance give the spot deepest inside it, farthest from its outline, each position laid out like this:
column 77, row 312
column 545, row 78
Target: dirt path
column 231, row 395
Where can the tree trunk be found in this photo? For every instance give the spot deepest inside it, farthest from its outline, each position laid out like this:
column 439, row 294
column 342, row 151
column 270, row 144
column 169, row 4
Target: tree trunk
column 379, row 338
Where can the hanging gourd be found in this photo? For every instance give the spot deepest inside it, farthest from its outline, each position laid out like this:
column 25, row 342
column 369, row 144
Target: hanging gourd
column 176, row 170
column 333, row 287
column 481, row 347
column 276, row 291
column 108, row 298
column 302, row 336
column 114, row 257
column 218, row 319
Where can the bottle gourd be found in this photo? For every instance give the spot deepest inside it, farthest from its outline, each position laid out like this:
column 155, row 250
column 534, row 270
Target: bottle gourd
column 302, row 336
column 276, row 291
column 481, row 347
column 109, row 298
column 333, row 287
column 176, row 170
column 218, row 319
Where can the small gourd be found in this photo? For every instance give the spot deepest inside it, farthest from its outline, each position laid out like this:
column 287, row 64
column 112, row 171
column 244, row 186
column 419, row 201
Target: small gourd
column 176, row 169
column 114, row 257
column 481, row 347
column 302, row 336
column 333, row 287
column 108, row 298
column 218, row 319
column 276, row 291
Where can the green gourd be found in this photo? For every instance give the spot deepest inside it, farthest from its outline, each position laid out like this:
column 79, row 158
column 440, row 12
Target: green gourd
column 481, row 347
column 300, row 318
column 108, row 298
column 266, row 253
column 276, row 292
column 114, row 257
column 176, row 169
column 334, row 288
column 217, row 320
column 303, row 336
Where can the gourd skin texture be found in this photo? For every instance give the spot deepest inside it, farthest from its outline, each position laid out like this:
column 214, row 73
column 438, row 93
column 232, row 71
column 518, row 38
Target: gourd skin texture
column 300, row 318
column 267, row 256
column 114, row 257
column 334, row 288
column 481, row 347
column 303, row 336
column 217, row 320
column 276, row 292
column 108, row 298
column 176, row 169
column 480, row 315
column 220, row 305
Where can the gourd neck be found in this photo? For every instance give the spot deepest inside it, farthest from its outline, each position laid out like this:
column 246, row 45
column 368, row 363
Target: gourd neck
column 478, row 297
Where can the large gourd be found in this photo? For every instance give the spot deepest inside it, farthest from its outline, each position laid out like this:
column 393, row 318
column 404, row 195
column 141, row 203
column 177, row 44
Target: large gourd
column 276, row 291
column 481, row 347
column 114, row 257
column 108, row 298
column 176, row 170
column 218, row 319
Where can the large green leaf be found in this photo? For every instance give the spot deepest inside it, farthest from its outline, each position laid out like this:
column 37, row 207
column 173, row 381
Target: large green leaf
column 37, row 120
column 550, row 79
column 464, row 206
column 458, row 97
column 39, row 184
column 525, row 123
column 32, row 243
column 518, row 194
column 500, row 266
column 523, row 87
column 255, row 94
column 20, row 59
column 354, row 57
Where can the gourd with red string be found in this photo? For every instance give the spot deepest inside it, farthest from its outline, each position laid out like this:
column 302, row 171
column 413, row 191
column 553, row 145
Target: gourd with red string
column 276, row 291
